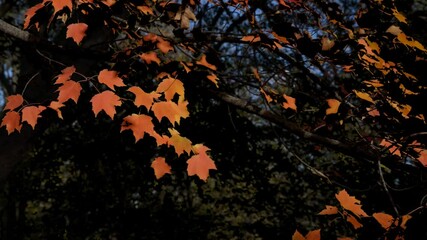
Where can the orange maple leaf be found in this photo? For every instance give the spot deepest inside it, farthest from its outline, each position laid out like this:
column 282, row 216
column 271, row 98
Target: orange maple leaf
column 56, row 106
column 31, row 12
column 150, row 57
column 142, row 98
column 297, row 236
column 384, row 219
column 171, row 86
column 65, row 74
column 200, row 163
column 350, row 203
column 69, row 90
column 354, row 222
column 13, row 101
column 58, row 5
column 106, row 101
column 181, row 144
column 160, row 167
column 110, row 78
column 329, row 210
column 77, row 31
column 172, row 111
column 12, row 121
column 205, row 63
column 213, row 78
column 333, row 106
column 290, row 102
column 164, row 45
column 30, row 114
column 141, row 124
column 364, row 96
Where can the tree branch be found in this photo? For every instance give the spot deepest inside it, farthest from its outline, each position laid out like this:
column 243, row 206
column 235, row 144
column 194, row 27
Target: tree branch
column 17, row 33
column 347, row 149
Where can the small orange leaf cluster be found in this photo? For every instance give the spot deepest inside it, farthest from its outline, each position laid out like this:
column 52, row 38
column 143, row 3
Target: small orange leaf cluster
column 351, row 210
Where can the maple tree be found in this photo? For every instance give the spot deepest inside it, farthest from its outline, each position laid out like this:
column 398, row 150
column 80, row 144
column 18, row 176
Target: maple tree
column 348, row 80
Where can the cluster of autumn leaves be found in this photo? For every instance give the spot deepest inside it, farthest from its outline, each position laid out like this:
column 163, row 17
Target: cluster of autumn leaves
column 350, row 210
column 159, row 103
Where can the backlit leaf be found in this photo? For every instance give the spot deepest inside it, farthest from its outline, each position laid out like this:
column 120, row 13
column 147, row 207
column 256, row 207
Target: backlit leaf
column 142, row 98
column 313, row 235
column 171, row 86
column 164, row 45
column 350, row 203
column 172, row 111
column 329, row 210
column 333, row 106
column 410, row 42
column 290, row 102
column 30, row 114
column 150, row 57
column 12, row 121
column 58, row 5
column 384, row 219
column 297, row 236
column 65, row 74
column 31, row 12
column 364, row 96
column 160, row 167
column 205, row 63
column 69, row 90
column 213, row 78
column 354, row 222
column 56, row 106
column 77, row 31
column 13, row 101
column 399, row 16
column 181, row 144
column 200, row 163
column 106, row 101
column 141, row 124
column 110, row 78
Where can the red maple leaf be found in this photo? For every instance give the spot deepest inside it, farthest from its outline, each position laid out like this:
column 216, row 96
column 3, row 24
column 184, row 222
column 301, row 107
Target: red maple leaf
column 69, row 90
column 13, row 101
column 12, row 121
column 106, row 101
column 200, row 163
column 65, row 74
column 77, row 31
column 30, row 114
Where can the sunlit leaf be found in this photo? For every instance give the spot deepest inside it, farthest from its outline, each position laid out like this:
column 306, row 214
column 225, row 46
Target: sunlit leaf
column 200, row 163
column 160, row 167
column 30, row 114
column 65, row 75
column 350, row 203
column 329, row 210
column 69, row 90
column 110, row 78
column 333, row 106
column 12, row 122
column 13, row 101
column 205, row 63
column 384, row 219
column 106, row 101
column 181, row 144
column 77, row 31
column 142, row 98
